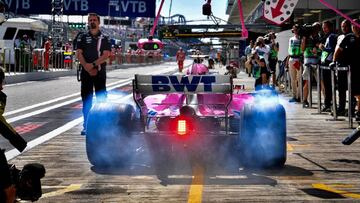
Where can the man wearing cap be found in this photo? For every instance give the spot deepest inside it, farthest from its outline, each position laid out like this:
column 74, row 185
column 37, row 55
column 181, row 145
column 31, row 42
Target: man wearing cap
column 180, row 58
column 93, row 49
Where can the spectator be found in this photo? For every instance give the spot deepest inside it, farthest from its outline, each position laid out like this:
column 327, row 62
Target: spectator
column 262, row 49
column 218, row 58
column 328, row 47
column 17, row 52
column 264, row 73
column 273, row 55
column 248, row 54
column 349, row 48
column 93, row 50
column 68, row 54
column 231, row 70
column 119, row 55
column 25, row 52
column 342, row 75
column 309, row 46
column 294, row 63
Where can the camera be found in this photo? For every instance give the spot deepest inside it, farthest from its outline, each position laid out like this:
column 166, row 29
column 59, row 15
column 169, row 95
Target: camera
column 27, row 181
column 305, row 30
column 269, row 37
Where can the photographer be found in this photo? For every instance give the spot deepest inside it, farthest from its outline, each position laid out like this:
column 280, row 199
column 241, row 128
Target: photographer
column 262, row 49
column 259, row 70
column 24, row 184
column 327, row 46
column 273, row 54
column 309, row 45
column 7, row 189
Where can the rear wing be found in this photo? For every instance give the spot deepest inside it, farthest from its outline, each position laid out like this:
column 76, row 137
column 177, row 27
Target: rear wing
column 186, row 84
column 144, row 85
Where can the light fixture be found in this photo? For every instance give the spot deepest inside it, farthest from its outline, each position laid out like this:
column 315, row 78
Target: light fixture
column 307, row 14
column 315, row 11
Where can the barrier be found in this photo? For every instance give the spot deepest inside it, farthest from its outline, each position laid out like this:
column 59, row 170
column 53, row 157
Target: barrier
column 6, row 54
column 319, row 85
column 38, row 59
column 301, row 85
column 311, row 68
column 23, row 62
column 348, row 70
column 16, row 60
column 57, row 59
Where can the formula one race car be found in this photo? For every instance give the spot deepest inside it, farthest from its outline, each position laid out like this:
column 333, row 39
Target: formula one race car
column 198, row 114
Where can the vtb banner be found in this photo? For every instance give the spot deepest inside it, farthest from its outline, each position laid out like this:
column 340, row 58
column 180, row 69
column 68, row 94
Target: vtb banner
column 123, row 8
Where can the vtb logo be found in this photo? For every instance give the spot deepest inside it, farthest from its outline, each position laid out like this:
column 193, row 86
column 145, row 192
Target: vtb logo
column 165, row 83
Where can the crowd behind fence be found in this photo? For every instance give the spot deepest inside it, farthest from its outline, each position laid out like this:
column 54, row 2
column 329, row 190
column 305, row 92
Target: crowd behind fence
column 334, row 73
column 32, row 60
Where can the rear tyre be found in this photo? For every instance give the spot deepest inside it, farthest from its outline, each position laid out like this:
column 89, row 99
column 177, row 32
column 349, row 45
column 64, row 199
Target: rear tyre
column 108, row 137
column 262, row 137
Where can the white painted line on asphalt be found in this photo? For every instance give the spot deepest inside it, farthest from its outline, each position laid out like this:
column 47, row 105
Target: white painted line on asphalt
column 39, row 104
column 17, row 84
column 14, row 152
column 53, row 101
column 121, row 83
column 55, row 106
column 42, row 110
column 43, row 138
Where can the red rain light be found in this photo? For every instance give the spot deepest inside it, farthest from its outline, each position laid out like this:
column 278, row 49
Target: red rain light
column 181, row 127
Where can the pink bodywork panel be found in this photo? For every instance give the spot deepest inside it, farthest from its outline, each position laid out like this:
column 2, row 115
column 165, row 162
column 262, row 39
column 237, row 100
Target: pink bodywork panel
column 197, row 69
column 208, row 104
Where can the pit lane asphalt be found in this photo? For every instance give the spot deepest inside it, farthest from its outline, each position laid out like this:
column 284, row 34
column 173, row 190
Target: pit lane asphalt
column 35, row 108
column 318, row 168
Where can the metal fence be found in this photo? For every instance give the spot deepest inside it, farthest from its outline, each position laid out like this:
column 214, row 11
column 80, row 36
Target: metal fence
column 32, row 60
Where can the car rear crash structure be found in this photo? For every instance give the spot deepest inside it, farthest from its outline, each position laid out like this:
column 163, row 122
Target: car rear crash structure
column 194, row 114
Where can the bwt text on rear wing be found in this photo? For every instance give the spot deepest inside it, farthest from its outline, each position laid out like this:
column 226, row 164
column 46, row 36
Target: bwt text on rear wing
column 192, row 84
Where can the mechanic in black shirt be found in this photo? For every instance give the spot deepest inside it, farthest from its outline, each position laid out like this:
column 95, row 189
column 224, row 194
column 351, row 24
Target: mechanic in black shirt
column 93, row 49
column 349, row 48
column 7, row 187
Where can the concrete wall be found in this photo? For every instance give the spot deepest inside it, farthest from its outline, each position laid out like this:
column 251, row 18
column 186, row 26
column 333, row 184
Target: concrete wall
column 22, row 77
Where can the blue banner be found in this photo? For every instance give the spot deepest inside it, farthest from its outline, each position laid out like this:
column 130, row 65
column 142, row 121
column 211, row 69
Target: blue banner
column 123, row 8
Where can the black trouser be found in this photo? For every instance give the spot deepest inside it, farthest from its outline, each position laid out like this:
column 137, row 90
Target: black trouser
column 88, row 83
column 5, row 180
column 342, row 87
column 326, row 76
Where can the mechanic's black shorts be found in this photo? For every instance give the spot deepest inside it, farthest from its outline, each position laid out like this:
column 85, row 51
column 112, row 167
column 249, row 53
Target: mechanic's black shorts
column 272, row 65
